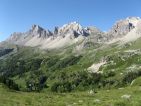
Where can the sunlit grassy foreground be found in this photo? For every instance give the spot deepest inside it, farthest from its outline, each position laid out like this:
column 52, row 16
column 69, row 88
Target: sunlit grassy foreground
column 114, row 97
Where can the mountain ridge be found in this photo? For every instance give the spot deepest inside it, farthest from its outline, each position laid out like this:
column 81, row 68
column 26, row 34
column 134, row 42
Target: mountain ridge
column 72, row 33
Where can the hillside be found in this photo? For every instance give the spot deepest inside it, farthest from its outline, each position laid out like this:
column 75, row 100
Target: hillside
column 70, row 62
column 129, row 96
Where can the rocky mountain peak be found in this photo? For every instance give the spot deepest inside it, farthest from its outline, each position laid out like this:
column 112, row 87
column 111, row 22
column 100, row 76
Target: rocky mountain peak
column 15, row 36
column 73, row 27
column 122, row 27
column 133, row 20
column 40, row 32
column 36, row 28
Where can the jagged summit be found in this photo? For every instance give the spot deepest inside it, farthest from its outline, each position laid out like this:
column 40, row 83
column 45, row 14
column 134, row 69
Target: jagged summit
column 40, row 32
column 15, row 36
column 125, row 30
column 36, row 27
column 133, row 18
column 122, row 27
column 72, row 27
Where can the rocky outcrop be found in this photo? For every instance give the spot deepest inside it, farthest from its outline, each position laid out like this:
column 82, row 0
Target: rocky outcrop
column 123, row 27
column 96, row 35
column 74, row 28
column 56, row 30
column 40, row 32
column 15, row 37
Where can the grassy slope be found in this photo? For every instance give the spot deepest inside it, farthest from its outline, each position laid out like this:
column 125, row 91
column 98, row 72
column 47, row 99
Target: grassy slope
column 105, row 97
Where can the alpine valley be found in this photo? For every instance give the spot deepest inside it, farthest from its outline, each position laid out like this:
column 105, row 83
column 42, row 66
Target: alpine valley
column 72, row 66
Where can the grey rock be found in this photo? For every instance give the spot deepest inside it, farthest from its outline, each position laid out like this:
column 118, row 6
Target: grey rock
column 40, row 32
column 74, row 28
column 56, row 29
column 123, row 27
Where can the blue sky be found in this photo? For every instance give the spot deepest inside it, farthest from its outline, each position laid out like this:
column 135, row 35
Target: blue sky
column 19, row 15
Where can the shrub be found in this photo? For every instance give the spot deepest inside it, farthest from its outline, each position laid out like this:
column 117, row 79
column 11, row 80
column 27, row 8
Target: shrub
column 9, row 83
column 36, row 83
column 65, row 86
column 71, row 60
column 130, row 76
column 120, row 103
column 5, row 51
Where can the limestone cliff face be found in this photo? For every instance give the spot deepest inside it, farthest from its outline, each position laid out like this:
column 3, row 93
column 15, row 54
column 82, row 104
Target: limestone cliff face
column 125, row 30
column 40, row 32
column 74, row 28
column 123, row 27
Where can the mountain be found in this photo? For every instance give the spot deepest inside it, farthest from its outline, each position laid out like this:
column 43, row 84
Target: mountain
column 72, row 57
column 64, row 36
column 35, row 32
column 124, row 31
